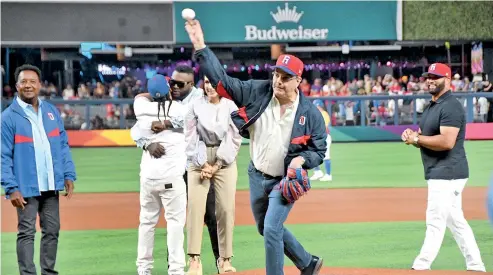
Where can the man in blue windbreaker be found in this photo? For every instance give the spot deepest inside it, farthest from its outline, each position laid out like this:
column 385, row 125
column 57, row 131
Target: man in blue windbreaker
column 36, row 165
column 286, row 132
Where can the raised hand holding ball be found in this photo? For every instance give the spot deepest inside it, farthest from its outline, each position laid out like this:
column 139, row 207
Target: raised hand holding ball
column 188, row 14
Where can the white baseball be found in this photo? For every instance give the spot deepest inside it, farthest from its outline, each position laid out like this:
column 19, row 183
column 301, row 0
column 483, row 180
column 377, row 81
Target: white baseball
column 188, row 14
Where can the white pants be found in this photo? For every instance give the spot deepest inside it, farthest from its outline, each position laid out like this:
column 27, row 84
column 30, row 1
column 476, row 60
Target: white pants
column 445, row 210
column 329, row 142
column 155, row 194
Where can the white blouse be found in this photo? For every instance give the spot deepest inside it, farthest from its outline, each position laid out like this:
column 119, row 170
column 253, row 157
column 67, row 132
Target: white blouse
column 210, row 124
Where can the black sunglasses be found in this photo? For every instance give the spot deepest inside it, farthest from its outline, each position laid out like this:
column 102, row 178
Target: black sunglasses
column 179, row 84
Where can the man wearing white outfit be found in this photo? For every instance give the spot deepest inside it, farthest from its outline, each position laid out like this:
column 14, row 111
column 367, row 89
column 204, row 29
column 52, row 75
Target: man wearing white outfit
column 161, row 178
column 441, row 138
column 318, row 174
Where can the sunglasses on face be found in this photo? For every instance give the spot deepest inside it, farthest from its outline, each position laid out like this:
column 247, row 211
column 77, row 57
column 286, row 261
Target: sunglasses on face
column 179, row 84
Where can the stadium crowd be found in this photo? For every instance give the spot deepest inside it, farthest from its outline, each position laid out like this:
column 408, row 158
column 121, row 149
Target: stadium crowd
column 344, row 112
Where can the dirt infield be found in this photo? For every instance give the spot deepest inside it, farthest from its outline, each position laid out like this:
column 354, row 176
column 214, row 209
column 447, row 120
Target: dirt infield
column 361, row 271
column 121, row 210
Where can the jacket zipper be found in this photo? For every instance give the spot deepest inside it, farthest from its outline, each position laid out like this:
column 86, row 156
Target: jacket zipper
column 261, row 110
column 26, row 117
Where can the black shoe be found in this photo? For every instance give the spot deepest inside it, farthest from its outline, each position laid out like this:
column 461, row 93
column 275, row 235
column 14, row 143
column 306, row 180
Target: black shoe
column 314, row 267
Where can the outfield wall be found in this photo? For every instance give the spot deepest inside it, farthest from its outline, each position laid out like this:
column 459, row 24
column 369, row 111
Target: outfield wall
column 116, row 138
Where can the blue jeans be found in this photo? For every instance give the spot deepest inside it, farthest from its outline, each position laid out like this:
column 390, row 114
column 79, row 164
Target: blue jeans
column 270, row 211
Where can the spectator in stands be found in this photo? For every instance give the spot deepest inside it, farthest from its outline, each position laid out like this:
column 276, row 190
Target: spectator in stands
column 457, row 83
column 316, row 88
column 353, row 86
column 83, row 91
column 305, row 87
column 115, row 90
column 138, row 88
column 99, row 91
column 349, row 111
column 387, row 79
column 377, row 89
column 7, row 91
column 467, row 85
column 367, row 84
column 68, row 92
column 52, row 91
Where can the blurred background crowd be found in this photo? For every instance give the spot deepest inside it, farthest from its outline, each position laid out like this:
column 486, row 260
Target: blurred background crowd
column 345, row 112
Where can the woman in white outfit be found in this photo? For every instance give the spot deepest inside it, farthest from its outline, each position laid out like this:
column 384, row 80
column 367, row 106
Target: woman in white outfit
column 213, row 143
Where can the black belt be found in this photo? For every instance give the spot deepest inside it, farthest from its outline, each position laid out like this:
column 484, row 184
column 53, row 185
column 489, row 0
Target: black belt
column 212, row 145
column 267, row 176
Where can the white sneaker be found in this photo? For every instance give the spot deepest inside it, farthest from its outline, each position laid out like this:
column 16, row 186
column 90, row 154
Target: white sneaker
column 477, row 268
column 317, row 175
column 326, row 178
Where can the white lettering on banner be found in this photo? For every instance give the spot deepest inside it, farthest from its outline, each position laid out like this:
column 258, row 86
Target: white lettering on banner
column 107, row 70
column 285, row 14
column 253, row 33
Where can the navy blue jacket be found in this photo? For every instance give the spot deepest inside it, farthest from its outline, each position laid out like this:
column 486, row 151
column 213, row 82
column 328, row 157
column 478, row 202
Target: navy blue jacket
column 308, row 137
column 18, row 158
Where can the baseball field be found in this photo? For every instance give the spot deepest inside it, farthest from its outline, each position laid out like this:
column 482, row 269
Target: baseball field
column 368, row 220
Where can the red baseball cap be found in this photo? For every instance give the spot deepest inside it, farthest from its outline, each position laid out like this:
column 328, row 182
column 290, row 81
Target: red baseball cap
column 290, row 64
column 439, row 69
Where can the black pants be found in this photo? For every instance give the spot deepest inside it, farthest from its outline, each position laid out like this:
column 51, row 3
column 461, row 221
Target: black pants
column 47, row 205
column 210, row 217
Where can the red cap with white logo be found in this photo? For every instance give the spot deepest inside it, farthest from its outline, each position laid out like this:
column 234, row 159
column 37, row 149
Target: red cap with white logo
column 290, row 64
column 439, row 69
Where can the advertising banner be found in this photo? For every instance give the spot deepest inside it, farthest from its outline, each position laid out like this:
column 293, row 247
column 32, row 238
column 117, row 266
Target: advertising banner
column 117, row 138
column 293, row 21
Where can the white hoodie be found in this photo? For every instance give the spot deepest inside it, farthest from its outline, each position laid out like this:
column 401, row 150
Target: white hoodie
column 172, row 164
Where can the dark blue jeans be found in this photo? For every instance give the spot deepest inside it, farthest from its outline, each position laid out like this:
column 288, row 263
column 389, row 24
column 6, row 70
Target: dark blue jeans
column 270, row 211
column 47, row 206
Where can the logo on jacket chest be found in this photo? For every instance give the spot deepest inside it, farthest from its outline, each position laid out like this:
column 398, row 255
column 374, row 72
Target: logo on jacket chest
column 51, row 116
column 302, row 120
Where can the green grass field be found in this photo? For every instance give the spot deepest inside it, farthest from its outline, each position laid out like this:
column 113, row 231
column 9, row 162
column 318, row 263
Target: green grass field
column 389, row 245
column 354, row 165
column 368, row 165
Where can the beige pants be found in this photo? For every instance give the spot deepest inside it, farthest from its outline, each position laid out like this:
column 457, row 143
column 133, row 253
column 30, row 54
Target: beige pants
column 224, row 181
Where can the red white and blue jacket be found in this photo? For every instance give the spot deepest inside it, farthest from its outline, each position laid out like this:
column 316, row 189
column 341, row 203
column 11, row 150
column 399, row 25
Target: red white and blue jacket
column 308, row 137
column 18, row 157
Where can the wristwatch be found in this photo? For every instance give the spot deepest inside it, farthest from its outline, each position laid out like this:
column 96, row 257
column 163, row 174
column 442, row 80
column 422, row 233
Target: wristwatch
column 416, row 139
column 147, row 143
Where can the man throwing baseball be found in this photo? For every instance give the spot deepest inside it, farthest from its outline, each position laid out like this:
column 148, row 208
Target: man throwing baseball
column 161, row 178
column 287, row 135
column 440, row 138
